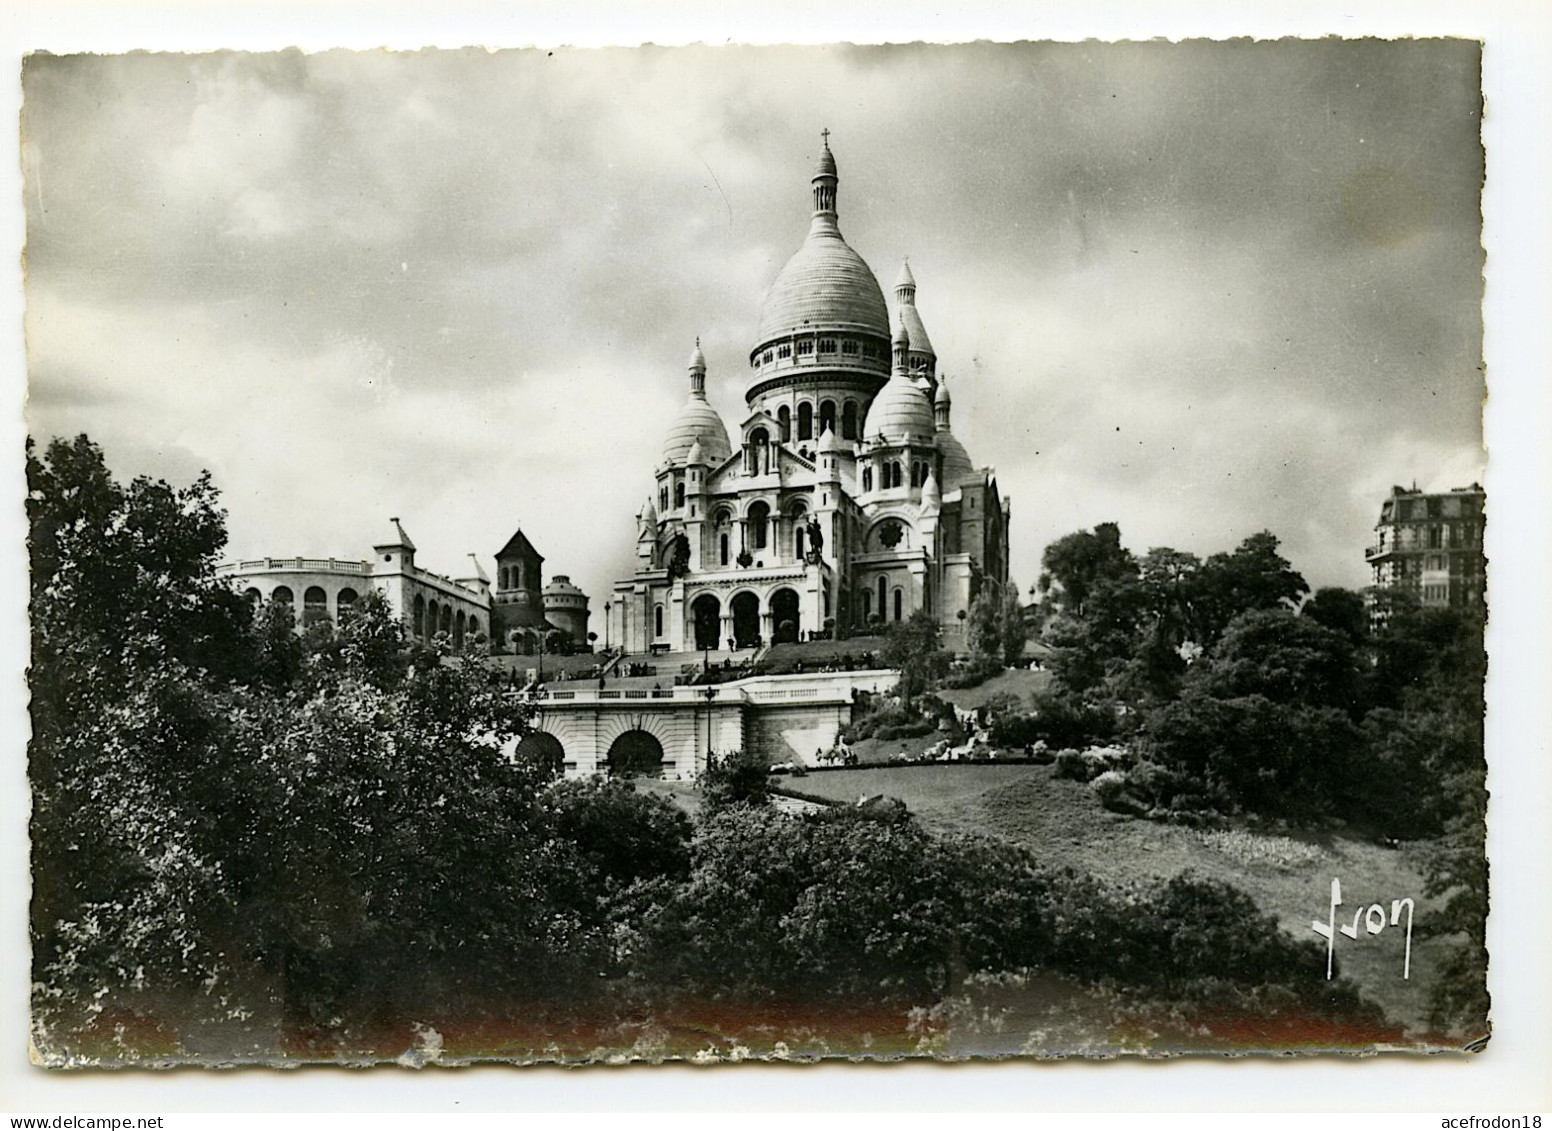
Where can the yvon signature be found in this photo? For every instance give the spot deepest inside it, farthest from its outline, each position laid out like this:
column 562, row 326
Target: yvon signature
column 1374, row 921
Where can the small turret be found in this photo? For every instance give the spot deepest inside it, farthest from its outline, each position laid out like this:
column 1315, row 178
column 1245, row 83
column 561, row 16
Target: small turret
column 395, row 550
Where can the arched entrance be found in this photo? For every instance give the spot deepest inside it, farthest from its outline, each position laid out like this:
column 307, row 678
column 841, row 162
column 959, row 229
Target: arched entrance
column 707, row 611
column 784, row 616
column 746, row 619
column 543, row 750
column 636, row 753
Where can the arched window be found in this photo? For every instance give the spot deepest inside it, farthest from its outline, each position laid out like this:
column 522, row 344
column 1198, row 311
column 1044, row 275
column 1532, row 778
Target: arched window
column 345, row 602
column 826, row 416
column 805, row 421
column 657, row 620
column 759, row 513
column 867, row 479
column 899, row 603
column 797, row 539
column 849, row 421
column 867, row 603
column 662, row 498
column 679, row 494
column 784, row 418
column 723, row 541
column 419, row 620
column 282, row 594
column 759, row 437
column 883, row 593
column 915, row 475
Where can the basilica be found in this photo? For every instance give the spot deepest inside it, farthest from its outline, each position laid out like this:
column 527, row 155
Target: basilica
column 847, row 503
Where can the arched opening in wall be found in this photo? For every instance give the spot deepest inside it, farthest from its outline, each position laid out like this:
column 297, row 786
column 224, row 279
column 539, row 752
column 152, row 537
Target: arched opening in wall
column 758, row 522
column 867, row 603
column 799, row 547
column 657, row 621
column 254, row 599
column 784, row 418
column 915, row 475
column 636, row 753
column 746, row 619
column 784, row 616
column 418, row 616
column 679, row 494
column 805, row 421
column 458, row 623
column 867, row 479
column 345, row 602
column 433, row 619
column 883, row 598
column 899, row 603
column 849, row 421
column 722, row 548
column 543, row 750
column 759, row 437
column 707, row 611
column 282, row 595
column 826, row 416
column 447, row 619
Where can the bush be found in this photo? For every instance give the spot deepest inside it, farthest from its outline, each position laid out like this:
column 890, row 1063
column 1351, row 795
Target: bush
column 1058, row 720
column 911, row 729
column 1069, row 764
column 972, row 673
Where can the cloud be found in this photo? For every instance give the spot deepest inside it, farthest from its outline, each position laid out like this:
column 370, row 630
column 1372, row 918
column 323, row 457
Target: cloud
column 1199, row 289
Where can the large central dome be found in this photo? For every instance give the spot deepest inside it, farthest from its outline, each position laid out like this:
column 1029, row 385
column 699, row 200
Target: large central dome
column 825, row 285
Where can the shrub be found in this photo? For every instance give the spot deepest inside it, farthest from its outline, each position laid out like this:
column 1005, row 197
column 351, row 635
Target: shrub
column 972, row 673
column 1109, row 786
column 1069, row 764
column 914, row 728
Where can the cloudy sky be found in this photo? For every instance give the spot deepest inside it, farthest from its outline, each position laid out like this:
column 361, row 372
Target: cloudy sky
column 1197, row 289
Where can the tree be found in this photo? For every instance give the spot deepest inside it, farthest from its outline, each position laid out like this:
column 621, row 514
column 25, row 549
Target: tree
column 1075, row 565
column 1341, row 610
column 1254, row 576
column 914, row 648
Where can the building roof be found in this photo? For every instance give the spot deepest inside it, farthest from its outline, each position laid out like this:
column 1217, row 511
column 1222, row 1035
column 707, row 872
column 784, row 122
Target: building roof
column 697, row 422
column 560, row 585
column 900, row 409
column 825, row 285
column 518, row 546
column 396, row 537
column 957, row 466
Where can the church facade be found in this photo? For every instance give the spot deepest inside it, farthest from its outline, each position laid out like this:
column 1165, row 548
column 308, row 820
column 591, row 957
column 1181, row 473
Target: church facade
column 847, row 503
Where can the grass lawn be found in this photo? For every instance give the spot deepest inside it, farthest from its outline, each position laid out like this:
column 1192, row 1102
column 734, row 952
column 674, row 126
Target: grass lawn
column 1288, row 876
column 922, row 788
column 1020, row 681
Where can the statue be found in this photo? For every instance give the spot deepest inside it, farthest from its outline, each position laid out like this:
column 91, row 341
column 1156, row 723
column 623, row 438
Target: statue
column 815, row 540
column 678, row 555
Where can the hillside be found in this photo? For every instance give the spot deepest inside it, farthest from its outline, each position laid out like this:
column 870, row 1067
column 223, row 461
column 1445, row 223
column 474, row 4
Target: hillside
column 1290, row 877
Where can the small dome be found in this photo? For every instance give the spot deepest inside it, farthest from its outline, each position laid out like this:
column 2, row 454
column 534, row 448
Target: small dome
column 697, row 423
column 826, row 165
column 956, row 461
column 697, row 455
column 697, row 358
column 902, row 334
column 829, row 442
column 942, row 399
column 905, row 278
column 899, row 410
column 560, row 585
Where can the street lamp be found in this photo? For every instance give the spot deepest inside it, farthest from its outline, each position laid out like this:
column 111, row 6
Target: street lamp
column 606, row 626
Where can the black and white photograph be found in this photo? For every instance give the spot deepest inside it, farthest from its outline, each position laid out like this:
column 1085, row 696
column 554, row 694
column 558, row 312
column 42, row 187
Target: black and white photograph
column 731, row 553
